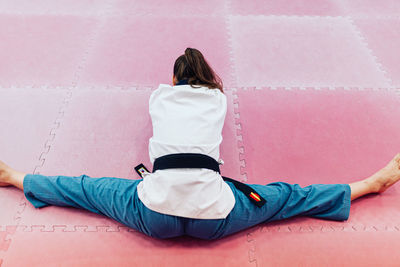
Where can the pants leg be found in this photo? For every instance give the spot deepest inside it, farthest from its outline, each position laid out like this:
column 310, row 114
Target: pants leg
column 117, row 198
column 113, row 197
column 326, row 201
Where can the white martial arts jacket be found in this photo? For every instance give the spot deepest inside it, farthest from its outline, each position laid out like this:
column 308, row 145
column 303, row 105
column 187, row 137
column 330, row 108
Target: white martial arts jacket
column 186, row 120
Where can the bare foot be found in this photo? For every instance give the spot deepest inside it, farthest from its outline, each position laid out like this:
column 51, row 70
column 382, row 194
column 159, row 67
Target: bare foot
column 5, row 173
column 387, row 176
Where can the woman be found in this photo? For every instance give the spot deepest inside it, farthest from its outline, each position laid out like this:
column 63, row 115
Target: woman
column 185, row 194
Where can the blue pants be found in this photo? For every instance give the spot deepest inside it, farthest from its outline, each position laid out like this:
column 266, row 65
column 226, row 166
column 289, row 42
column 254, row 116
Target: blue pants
column 117, row 198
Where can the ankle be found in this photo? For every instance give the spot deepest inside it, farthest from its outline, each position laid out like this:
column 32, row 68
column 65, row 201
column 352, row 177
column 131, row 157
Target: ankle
column 9, row 176
column 4, row 176
column 373, row 185
column 16, row 179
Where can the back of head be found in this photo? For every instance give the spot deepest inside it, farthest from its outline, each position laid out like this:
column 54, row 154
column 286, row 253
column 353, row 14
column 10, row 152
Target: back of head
column 193, row 67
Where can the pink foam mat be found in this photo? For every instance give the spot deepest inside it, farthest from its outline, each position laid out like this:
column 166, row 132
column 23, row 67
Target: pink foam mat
column 313, row 97
column 383, row 38
column 22, row 143
column 322, row 136
column 288, row 7
column 371, row 8
column 124, row 248
column 307, row 51
column 37, row 50
column 63, row 7
column 131, row 63
column 169, row 7
column 319, row 248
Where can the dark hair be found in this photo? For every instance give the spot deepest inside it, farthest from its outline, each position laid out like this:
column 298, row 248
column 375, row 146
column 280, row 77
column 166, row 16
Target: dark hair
column 193, row 67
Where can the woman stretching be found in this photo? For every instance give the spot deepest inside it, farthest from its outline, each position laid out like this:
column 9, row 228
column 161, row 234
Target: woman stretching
column 186, row 194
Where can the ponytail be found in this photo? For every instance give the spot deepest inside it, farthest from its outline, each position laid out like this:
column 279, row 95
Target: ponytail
column 193, row 67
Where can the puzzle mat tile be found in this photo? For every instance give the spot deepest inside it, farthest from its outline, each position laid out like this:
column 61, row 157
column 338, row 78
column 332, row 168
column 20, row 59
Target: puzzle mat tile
column 382, row 36
column 49, row 52
column 168, row 7
column 5, row 239
column 60, row 7
column 301, row 51
column 105, row 133
column 142, row 50
column 26, row 118
column 122, row 248
column 333, row 248
column 322, row 136
column 287, row 7
column 371, row 8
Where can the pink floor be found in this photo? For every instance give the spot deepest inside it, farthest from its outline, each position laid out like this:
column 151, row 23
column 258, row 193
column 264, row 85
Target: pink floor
column 313, row 97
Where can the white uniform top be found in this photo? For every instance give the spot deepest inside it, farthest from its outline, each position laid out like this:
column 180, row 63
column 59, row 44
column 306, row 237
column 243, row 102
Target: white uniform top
column 186, row 120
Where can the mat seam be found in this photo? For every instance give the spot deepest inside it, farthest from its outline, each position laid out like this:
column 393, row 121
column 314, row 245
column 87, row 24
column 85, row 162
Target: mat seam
column 364, row 43
column 238, row 126
column 56, row 124
column 297, row 16
column 11, row 229
column 239, row 136
column 236, row 114
column 228, row 28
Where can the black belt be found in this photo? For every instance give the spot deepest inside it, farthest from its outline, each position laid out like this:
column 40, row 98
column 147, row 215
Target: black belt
column 195, row 160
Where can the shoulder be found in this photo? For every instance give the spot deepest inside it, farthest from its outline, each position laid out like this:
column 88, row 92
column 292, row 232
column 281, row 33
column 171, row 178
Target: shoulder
column 164, row 85
column 160, row 88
